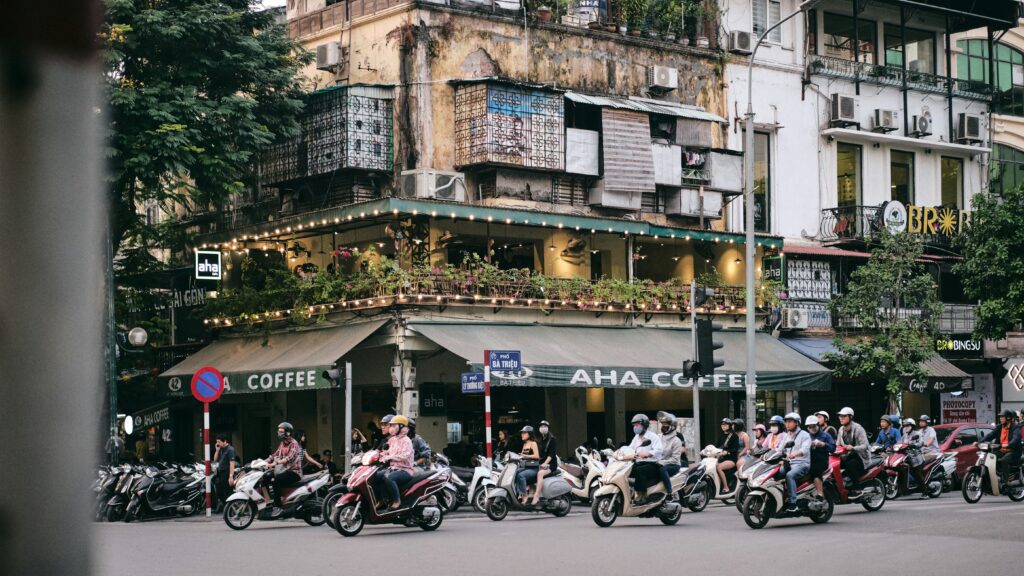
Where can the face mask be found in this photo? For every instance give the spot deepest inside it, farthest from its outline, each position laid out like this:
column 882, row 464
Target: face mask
column 638, row 429
column 543, row 429
column 666, row 429
column 280, row 435
column 774, row 429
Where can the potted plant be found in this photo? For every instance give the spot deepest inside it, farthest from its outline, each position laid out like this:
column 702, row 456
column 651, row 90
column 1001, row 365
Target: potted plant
column 544, row 13
column 633, row 13
column 669, row 19
column 706, row 15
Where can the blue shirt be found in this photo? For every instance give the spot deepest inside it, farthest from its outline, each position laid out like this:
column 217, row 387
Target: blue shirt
column 819, row 455
column 888, row 438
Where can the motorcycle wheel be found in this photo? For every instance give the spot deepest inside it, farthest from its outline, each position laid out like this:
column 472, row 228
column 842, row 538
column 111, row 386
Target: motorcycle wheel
column 314, row 515
column 972, row 488
column 131, row 512
column 892, row 488
column 239, row 514
column 703, row 497
column 603, row 511
column 480, row 499
column 741, row 496
column 434, row 525
column 114, row 513
column 497, row 509
column 1015, row 493
column 934, row 488
column 879, row 489
column 823, row 517
column 563, row 505
column 455, row 501
column 671, row 519
column 448, row 501
column 349, row 520
column 756, row 511
column 328, row 508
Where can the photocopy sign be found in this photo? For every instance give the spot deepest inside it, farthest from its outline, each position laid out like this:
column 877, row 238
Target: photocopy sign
column 208, row 265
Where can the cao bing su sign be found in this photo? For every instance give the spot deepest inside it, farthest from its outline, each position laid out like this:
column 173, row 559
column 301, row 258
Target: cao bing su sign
column 928, row 220
column 589, row 377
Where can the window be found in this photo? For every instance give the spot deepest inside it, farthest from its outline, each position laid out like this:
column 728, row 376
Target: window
column 152, row 215
column 839, row 38
column 762, row 182
column 920, row 49
column 972, row 65
column 952, row 181
column 901, row 176
column 766, row 13
column 966, row 436
column 848, row 180
column 1007, row 171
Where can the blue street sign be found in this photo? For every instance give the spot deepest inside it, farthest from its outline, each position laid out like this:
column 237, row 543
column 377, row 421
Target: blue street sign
column 472, row 382
column 505, row 360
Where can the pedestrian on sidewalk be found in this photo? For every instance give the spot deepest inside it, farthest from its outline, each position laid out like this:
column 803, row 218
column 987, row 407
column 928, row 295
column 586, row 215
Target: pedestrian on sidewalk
column 225, row 457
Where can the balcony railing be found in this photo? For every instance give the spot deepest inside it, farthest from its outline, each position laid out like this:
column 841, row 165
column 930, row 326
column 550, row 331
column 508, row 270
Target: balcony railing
column 863, row 223
column 886, row 75
column 957, row 319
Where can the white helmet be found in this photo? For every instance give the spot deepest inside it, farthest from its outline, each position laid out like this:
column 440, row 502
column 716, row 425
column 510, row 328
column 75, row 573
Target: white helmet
column 792, row 416
column 822, row 413
column 909, row 422
column 847, row 411
column 811, row 421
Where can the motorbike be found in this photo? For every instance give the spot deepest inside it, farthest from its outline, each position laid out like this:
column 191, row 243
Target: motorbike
column 983, row 477
column 615, row 496
column 583, row 478
column 949, row 471
column 743, row 473
column 455, row 492
column 361, row 505
column 484, row 476
column 299, row 500
column 123, row 491
column 180, row 490
column 766, row 495
column 106, row 486
column 868, row 490
column 898, row 481
column 556, row 495
column 711, row 481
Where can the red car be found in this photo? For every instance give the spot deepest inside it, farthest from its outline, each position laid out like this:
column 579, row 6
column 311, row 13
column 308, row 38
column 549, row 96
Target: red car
column 961, row 438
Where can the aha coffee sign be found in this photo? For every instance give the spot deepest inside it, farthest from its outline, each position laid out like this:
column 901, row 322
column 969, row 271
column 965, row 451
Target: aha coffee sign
column 208, row 265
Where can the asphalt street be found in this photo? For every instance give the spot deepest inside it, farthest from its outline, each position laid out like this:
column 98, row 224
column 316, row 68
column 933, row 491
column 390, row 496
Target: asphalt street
column 935, row 537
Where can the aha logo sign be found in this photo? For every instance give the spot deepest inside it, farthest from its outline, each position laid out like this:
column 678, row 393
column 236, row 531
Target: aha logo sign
column 208, row 265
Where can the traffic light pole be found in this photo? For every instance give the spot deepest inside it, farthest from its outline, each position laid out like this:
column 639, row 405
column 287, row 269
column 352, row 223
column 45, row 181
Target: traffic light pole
column 693, row 351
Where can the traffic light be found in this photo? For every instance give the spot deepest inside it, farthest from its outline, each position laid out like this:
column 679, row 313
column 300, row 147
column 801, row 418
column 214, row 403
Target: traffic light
column 706, row 347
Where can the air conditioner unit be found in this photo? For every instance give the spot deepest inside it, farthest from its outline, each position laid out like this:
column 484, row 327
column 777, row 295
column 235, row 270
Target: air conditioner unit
column 844, row 110
column 328, row 56
column 741, row 42
column 434, row 184
column 794, row 319
column 968, row 128
column 662, row 78
column 886, row 120
column 922, row 125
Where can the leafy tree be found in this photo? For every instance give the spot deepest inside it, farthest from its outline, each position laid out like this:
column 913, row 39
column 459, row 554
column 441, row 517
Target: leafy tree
column 889, row 343
column 194, row 89
column 993, row 259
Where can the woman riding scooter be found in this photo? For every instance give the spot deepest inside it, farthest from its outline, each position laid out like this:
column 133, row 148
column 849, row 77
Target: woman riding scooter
column 739, row 429
column 776, row 425
column 399, row 456
column 548, row 458
column 730, row 446
column 531, row 462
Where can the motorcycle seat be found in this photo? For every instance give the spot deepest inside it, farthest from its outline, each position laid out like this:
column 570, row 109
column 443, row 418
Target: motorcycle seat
column 417, row 476
column 873, row 461
column 306, row 479
column 573, row 469
column 173, row 486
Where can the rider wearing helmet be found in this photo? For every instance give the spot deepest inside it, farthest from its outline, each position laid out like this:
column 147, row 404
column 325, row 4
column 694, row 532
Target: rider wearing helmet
column 548, row 458
column 420, row 449
column 730, row 446
column 739, row 428
column 1009, row 438
column 776, row 428
column 910, row 434
column 286, row 461
column 383, row 444
column 530, row 458
column 648, row 451
column 399, row 457
column 671, row 450
column 822, row 417
column 853, row 435
column 888, row 433
column 798, row 455
column 760, row 435
column 821, row 446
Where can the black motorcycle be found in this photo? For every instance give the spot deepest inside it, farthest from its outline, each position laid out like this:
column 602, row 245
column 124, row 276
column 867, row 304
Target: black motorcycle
column 179, row 490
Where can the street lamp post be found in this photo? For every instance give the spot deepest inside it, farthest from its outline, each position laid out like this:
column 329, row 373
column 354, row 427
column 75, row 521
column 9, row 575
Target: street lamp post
column 748, row 208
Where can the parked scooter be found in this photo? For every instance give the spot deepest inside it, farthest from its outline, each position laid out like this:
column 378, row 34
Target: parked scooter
column 485, row 475
column 584, row 478
column 868, row 490
column 555, row 494
column 299, row 500
column 898, row 481
column 106, row 486
column 178, row 491
column 361, row 505
column 766, row 496
column 983, row 477
column 123, row 491
column 615, row 497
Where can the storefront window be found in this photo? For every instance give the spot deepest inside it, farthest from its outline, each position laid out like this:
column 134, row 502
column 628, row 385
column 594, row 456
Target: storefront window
column 1007, row 168
column 762, row 182
column 839, row 38
column 901, row 175
column 972, row 64
column 952, row 182
column 848, row 180
column 768, row 404
column 920, row 49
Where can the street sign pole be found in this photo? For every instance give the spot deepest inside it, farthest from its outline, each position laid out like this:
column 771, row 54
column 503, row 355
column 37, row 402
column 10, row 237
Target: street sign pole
column 487, row 403
column 348, row 417
column 206, row 453
column 207, row 386
column 693, row 352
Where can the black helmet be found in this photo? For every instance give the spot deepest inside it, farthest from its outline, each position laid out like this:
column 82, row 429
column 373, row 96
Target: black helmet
column 288, row 428
column 726, row 421
column 925, row 418
column 1008, row 414
column 738, row 425
column 641, row 419
column 387, row 419
column 527, row 429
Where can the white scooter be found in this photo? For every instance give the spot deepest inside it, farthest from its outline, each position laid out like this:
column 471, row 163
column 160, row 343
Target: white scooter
column 485, row 476
column 297, row 501
column 584, row 478
column 712, row 484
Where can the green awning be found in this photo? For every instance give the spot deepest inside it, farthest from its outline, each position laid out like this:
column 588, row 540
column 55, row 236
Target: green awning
column 623, row 357
column 272, row 363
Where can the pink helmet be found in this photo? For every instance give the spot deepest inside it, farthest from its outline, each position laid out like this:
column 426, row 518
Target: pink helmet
column 760, row 427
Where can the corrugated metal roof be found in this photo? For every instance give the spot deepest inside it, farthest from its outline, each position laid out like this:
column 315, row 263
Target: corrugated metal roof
column 666, row 108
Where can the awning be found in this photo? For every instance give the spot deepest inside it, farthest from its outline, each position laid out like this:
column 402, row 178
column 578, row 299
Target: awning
column 942, row 376
column 622, row 357
column 271, row 363
column 644, row 105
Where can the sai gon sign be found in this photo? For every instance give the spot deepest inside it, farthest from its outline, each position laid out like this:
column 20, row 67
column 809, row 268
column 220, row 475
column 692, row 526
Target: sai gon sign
column 942, row 221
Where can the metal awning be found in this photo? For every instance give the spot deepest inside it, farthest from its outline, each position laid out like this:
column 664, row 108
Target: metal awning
column 271, row 363
column 942, row 375
column 645, row 105
column 622, row 357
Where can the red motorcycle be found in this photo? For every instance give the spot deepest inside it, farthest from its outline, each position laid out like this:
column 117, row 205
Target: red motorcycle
column 361, row 505
column 897, row 469
column 868, row 490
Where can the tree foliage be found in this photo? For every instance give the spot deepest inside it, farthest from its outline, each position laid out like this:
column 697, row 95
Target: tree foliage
column 993, row 261
column 883, row 299
column 194, row 89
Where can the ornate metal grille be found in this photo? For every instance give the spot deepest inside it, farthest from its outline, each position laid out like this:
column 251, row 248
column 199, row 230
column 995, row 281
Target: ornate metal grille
column 509, row 125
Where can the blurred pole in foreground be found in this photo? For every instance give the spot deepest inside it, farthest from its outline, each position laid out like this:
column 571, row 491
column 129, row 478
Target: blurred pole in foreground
column 52, row 234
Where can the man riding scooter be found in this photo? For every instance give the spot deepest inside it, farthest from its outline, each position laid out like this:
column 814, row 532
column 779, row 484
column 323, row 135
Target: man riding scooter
column 648, row 452
column 852, row 435
column 286, row 462
column 1009, row 438
column 798, row 455
column 888, row 432
column 671, row 451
